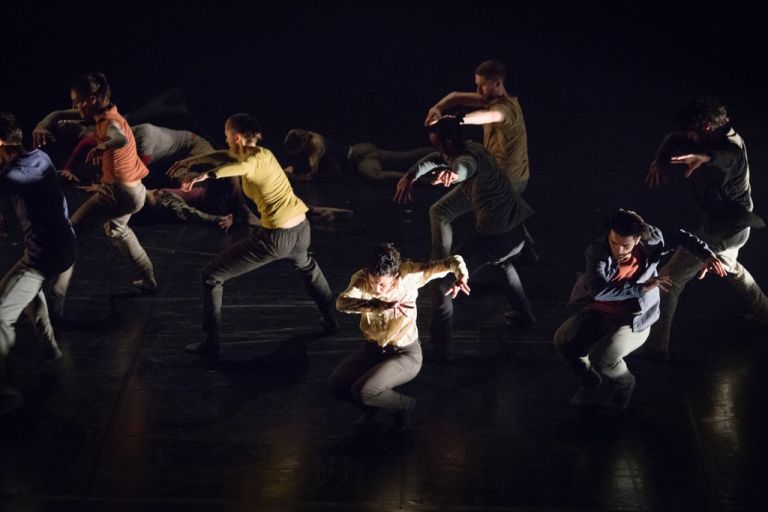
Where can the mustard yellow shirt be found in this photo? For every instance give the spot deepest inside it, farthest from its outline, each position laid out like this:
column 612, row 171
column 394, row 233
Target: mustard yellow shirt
column 265, row 183
column 507, row 140
column 378, row 321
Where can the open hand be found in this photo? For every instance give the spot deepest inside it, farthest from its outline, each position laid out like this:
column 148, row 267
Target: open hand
column 446, row 178
column 404, row 190
column 42, row 136
column 693, row 161
column 460, row 285
column 402, row 307
column 714, row 265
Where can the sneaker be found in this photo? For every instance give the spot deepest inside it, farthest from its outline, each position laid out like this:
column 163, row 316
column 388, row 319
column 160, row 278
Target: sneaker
column 401, row 419
column 146, row 285
column 10, row 399
column 205, row 349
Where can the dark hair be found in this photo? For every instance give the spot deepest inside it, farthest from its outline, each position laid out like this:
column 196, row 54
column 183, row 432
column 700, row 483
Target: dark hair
column 10, row 131
column 94, row 84
column 245, row 124
column 448, row 128
column 492, row 70
column 296, row 140
column 701, row 112
column 386, row 261
column 628, row 223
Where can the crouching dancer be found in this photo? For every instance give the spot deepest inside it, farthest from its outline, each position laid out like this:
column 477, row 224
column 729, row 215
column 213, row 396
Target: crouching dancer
column 619, row 295
column 384, row 294
column 30, row 179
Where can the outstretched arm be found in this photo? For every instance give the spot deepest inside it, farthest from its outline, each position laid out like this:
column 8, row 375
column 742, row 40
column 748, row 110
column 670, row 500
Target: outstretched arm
column 451, row 101
column 404, row 188
column 42, row 134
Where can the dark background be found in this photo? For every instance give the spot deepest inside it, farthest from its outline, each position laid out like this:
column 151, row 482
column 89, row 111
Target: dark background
column 597, row 83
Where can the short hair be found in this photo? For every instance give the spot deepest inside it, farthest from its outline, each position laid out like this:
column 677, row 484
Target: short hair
column 93, row 84
column 296, row 140
column 10, row 131
column 245, row 124
column 695, row 113
column 386, row 261
column 628, row 223
column 492, row 70
column 448, row 128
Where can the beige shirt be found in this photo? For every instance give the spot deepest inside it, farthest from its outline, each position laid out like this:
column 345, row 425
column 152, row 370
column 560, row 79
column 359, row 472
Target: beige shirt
column 507, row 140
column 378, row 321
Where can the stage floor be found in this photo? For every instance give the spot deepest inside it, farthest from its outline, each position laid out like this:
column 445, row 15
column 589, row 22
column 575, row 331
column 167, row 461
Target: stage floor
column 128, row 421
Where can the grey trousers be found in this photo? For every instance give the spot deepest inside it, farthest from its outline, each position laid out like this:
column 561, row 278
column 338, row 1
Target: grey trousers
column 111, row 207
column 21, row 291
column 262, row 247
column 590, row 342
column 367, row 377
column 379, row 165
column 497, row 251
column 442, row 213
column 683, row 266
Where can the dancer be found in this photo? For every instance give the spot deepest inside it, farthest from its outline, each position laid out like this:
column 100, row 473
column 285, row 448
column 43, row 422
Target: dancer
column 619, row 299
column 29, row 178
column 317, row 157
column 499, row 213
column 284, row 231
column 715, row 159
column 121, row 192
column 504, row 132
column 384, row 294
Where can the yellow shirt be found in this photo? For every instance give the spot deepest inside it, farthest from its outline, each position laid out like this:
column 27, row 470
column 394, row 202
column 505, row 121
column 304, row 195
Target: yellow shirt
column 507, row 140
column 378, row 321
column 265, row 183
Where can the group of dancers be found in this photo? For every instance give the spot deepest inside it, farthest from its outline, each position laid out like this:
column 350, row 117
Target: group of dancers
column 616, row 304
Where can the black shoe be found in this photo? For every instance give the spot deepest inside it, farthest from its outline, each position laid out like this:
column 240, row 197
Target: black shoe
column 205, row 349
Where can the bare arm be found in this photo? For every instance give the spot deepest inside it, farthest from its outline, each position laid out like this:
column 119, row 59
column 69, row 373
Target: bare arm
column 41, row 135
column 115, row 139
column 484, row 117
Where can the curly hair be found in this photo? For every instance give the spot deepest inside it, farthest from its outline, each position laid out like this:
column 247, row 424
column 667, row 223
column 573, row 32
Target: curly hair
column 386, row 261
column 702, row 113
column 628, row 223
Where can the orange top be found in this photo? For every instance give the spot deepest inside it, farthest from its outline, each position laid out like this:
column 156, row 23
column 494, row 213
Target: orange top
column 119, row 164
